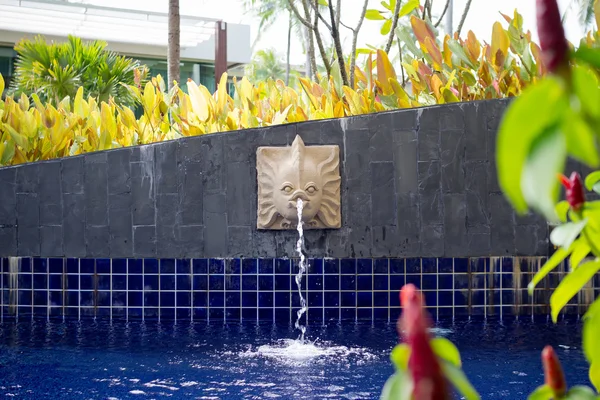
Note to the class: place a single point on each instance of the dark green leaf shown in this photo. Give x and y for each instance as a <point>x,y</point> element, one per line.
<point>570,285</point>
<point>588,55</point>
<point>541,393</point>
<point>558,256</point>
<point>459,380</point>
<point>585,85</point>
<point>446,350</point>
<point>565,234</point>
<point>546,158</point>
<point>538,108</point>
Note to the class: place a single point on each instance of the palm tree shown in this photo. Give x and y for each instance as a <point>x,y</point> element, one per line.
<point>54,71</point>
<point>270,11</point>
<point>266,65</point>
<point>174,51</point>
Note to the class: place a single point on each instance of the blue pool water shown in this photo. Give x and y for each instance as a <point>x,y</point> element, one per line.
<point>119,360</point>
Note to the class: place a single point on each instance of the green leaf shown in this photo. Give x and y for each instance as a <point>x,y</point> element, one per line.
<point>398,387</point>
<point>9,152</point>
<point>374,15</point>
<point>580,393</point>
<point>387,6</point>
<point>581,139</point>
<point>543,392</point>
<point>570,285</point>
<point>539,185</point>
<point>591,344</point>
<point>445,349</point>
<point>594,373</point>
<point>459,380</point>
<point>565,234</point>
<point>386,27</point>
<point>592,179</point>
<point>538,107</point>
<point>585,85</point>
<point>561,208</point>
<point>588,55</point>
<point>460,52</point>
<point>323,3</point>
<point>406,36</point>
<point>399,356</point>
<point>581,250</point>
<point>408,7</point>
<point>558,256</point>
<point>337,78</point>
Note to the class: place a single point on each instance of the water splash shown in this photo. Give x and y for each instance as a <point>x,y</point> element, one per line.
<point>14,265</point>
<point>301,270</point>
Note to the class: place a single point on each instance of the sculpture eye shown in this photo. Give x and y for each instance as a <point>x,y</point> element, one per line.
<point>287,187</point>
<point>311,188</point>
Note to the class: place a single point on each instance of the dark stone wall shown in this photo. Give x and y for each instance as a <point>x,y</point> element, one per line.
<point>415,183</point>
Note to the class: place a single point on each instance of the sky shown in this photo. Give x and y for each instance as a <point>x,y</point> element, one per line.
<point>481,17</point>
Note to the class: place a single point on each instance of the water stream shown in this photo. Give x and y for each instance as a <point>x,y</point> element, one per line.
<point>301,270</point>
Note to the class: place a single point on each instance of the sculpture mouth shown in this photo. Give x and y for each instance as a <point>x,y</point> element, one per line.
<point>294,204</point>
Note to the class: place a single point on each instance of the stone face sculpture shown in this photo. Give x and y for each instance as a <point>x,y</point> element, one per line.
<point>286,174</point>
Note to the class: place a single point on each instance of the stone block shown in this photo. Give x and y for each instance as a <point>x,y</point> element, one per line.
<point>8,197</point>
<point>531,240</point>
<point>51,237</point>
<point>165,167</point>
<point>452,116</point>
<point>74,225</point>
<point>8,241</point>
<point>479,243</point>
<point>215,238</point>
<point>189,149</point>
<point>381,138</point>
<point>120,225</point>
<point>240,191</point>
<point>28,210</point>
<point>263,243</point>
<point>96,189</point>
<point>72,174</point>
<point>477,194</point>
<point>360,241</point>
<point>191,240</point>
<point>452,161</point>
<point>167,209</point>
<point>428,118</point>
<point>357,168</point>
<point>502,226</point>
<point>405,162</point>
<point>404,120</point>
<point>167,242</point>
<point>385,241</point>
<point>383,194</point>
<point>476,134</point>
<point>27,178</point>
<point>191,193</point>
<point>430,194</point>
<point>337,243</point>
<point>358,208</point>
<point>50,194</point>
<point>455,225</point>
<point>432,241</point>
<point>285,242</point>
<point>213,160</point>
<point>428,144</point>
<point>143,198</point>
<point>119,171</point>
<point>144,241</point>
<point>97,238</point>
<point>28,241</point>
<point>240,241</point>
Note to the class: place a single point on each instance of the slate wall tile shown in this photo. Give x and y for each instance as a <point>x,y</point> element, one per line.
<point>8,198</point>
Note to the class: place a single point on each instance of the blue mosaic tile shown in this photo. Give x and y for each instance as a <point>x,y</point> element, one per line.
<point>151,299</point>
<point>430,298</point>
<point>381,314</point>
<point>397,266</point>
<point>150,266</point>
<point>364,266</point>
<point>477,265</point>
<point>381,266</point>
<point>167,282</point>
<point>331,282</point>
<point>507,264</point>
<point>167,266</point>
<point>364,299</point>
<point>40,265</point>
<point>199,266</point>
<point>414,279</point>
<point>332,314</point>
<point>233,299</point>
<point>135,299</point>
<point>200,282</point>
<point>135,266</point>
<point>460,298</point>
<point>429,265</point>
<point>348,266</point>
<point>331,299</point>
<point>102,299</point>
<point>216,299</point>
<point>461,265</point>
<point>315,265</point>
<point>39,281</point>
<point>348,299</point>
<point>183,266</point>
<point>249,266</point>
<point>183,282</point>
<point>348,314</point>
<point>103,282</point>
<point>282,266</point>
<point>72,282</point>
<point>249,282</point>
<point>119,266</point>
<point>380,282</point>
<point>249,314</point>
<point>249,299</point>
<point>55,282</point>
<point>364,282</point>
<point>461,281</point>
<point>25,265</point>
<point>282,299</point>
<point>265,282</point>
<point>216,282</point>
<point>315,282</point>
<point>282,282</point>
<point>429,282</point>
<point>315,299</point>
<point>265,299</point>
<point>348,282</point>
<point>446,265</point>
<point>381,299</point>
<point>135,282</point>
<point>200,299</point>
<point>55,266</point>
<point>413,265</point>
<point>167,299</point>
<point>396,282</point>
<point>266,266</point>
<point>216,266</point>
<point>151,282</point>
<point>445,281</point>
<point>331,266</point>
<point>103,266</point>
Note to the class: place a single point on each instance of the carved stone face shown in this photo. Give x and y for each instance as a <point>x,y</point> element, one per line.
<point>286,195</point>
<point>286,174</point>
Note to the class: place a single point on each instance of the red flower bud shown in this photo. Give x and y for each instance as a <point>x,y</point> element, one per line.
<point>552,34</point>
<point>553,373</point>
<point>429,382</point>
<point>574,190</point>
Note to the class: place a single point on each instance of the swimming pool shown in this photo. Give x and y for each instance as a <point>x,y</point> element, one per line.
<point>136,360</point>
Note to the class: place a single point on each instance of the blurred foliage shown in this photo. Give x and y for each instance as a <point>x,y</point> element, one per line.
<point>53,71</point>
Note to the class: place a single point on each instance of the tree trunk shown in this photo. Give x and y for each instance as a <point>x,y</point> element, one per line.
<point>174,49</point>
<point>289,45</point>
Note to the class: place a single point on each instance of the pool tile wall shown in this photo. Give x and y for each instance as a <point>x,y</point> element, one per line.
<point>264,289</point>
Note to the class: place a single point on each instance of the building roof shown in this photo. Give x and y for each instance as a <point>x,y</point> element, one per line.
<point>62,18</point>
